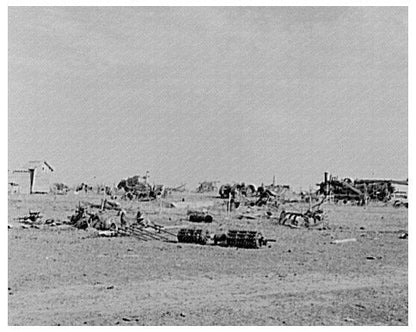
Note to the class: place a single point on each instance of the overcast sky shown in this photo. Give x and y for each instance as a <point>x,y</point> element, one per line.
<point>209,93</point>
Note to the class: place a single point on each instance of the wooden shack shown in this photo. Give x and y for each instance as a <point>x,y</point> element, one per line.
<point>33,177</point>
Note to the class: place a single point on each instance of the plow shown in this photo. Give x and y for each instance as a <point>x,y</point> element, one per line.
<point>313,217</point>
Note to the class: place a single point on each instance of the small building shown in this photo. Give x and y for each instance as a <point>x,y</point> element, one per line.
<point>32,178</point>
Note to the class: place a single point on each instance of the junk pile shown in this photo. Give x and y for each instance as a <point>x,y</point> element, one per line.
<point>35,219</point>
<point>265,196</point>
<point>315,216</point>
<point>401,203</point>
<point>106,190</point>
<point>105,205</point>
<point>137,187</point>
<point>60,189</point>
<point>83,187</point>
<point>307,219</point>
<point>207,186</point>
<point>108,224</point>
<point>284,194</point>
<point>233,238</point>
<point>80,218</point>
<point>246,190</point>
<point>359,191</point>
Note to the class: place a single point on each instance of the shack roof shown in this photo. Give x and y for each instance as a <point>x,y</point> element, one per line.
<point>33,164</point>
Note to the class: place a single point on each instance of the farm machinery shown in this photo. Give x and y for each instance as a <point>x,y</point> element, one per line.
<point>233,238</point>
<point>359,191</point>
<point>135,188</point>
<point>207,186</point>
<point>231,189</point>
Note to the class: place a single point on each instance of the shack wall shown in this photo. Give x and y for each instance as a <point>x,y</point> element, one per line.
<point>22,178</point>
<point>41,180</point>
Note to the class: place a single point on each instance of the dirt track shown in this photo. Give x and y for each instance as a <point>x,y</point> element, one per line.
<point>63,276</point>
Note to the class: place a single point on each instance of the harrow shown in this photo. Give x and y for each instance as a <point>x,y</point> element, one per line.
<point>233,238</point>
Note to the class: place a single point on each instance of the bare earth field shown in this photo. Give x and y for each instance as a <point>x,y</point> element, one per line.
<point>65,276</point>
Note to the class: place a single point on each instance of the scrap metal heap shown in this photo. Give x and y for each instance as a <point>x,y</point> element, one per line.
<point>359,190</point>
<point>207,186</point>
<point>137,187</point>
<point>242,188</point>
<point>313,217</point>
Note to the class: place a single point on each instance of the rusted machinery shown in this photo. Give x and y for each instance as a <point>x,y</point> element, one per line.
<point>189,235</point>
<point>197,216</point>
<point>298,219</point>
<point>33,216</point>
<point>135,188</point>
<point>207,186</point>
<point>359,190</point>
<point>148,233</point>
<point>59,189</point>
<point>245,239</point>
<point>246,190</point>
<point>233,238</point>
<point>81,218</point>
<point>314,216</point>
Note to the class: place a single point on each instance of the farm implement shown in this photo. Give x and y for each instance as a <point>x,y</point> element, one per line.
<point>233,238</point>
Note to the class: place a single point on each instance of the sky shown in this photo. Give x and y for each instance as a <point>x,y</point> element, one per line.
<point>209,93</point>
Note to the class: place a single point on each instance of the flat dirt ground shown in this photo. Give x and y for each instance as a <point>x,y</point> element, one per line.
<point>65,276</point>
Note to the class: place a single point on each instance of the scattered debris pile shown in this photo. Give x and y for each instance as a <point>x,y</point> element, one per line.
<point>265,196</point>
<point>313,217</point>
<point>109,224</point>
<point>80,218</point>
<point>307,219</point>
<point>401,203</point>
<point>243,189</point>
<point>35,219</point>
<point>60,189</point>
<point>359,190</point>
<point>84,187</point>
<point>137,187</point>
<point>207,186</point>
